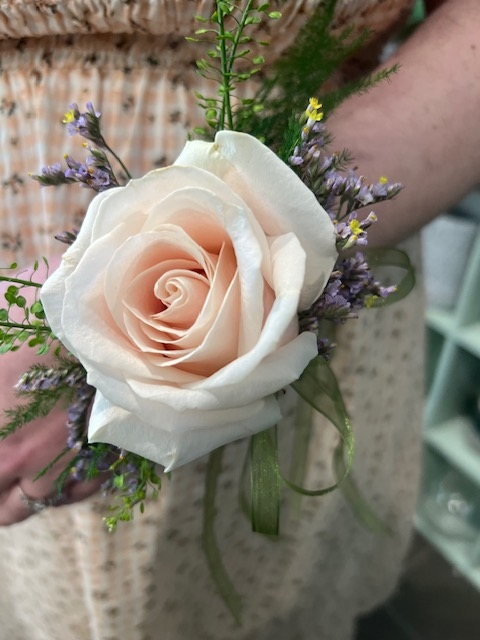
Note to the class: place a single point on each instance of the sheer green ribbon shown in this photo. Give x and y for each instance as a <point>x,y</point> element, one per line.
<point>214,558</point>
<point>319,391</point>
<point>379,258</point>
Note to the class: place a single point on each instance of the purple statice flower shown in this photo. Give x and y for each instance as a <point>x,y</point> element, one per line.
<point>325,348</point>
<point>77,171</point>
<point>95,173</point>
<point>351,287</point>
<point>312,136</point>
<point>360,283</point>
<point>383,190</point>
<point>45,378</point>
<point>67,237</point>
<point>333,304</point>
<point>77,415</point>
<point>86,124</point>
<point>358,193</point>
<point>352,231</point>
<point>52,176</point>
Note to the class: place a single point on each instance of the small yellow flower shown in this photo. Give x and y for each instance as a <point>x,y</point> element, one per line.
<point>370,300</point>
<point>355,227</point>
<point>69,117</point>
<point>383,180</point>
<point>313,110</point>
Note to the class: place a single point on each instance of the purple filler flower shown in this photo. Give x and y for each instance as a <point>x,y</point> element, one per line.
<point>86,124</point>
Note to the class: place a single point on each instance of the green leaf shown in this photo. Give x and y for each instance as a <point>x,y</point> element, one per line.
<point>119,481</point>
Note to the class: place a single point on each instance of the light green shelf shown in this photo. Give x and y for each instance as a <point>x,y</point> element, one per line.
<point>444,323</point>
<point>453,377</point>
<point>441,320</point>
<point>469,337</point>
<point>456,442</point>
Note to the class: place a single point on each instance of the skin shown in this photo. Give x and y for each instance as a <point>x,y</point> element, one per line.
<point>421,128</point>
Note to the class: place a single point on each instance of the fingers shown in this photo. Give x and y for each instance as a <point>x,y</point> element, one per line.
<point>32,448</point>
<point>18,504</point>
<point>23,455</point>
<point>77,491</point>
<point>29,450</point>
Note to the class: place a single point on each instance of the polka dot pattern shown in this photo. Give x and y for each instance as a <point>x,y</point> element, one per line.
<point>63,576</point>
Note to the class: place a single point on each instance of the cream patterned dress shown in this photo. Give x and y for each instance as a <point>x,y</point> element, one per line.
<point>62,576</point>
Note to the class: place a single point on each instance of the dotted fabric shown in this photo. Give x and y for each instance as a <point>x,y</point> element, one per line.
<point>63,576</point>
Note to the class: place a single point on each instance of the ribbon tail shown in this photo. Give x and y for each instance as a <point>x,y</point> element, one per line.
<point>265,483</point>
<point>378,258</point>
<point>217,569</point>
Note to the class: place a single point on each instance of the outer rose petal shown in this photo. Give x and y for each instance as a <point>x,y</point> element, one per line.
<point>207,430</point>
<point>250,169</point>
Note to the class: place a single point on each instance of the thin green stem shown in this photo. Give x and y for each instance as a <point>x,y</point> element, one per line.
<point>117,158</point>
<point>238,35</point>
<point>25,327</point>
<point>226,110</point>
<point>27,283</point>
<point>217,569</point>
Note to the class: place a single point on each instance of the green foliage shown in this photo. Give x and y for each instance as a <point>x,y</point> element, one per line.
<point>332,99</point>
<point>39,404</point>
<point>40,389</point>
<point>318,53</point>
<point>129,496</point>
<point>272,114</point>
<point>33,327</point>
<point>229,59</point>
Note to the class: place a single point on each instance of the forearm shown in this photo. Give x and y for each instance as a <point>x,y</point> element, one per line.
<point>423,127</point>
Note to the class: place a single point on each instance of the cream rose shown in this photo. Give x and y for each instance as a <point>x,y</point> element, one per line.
<point>180,298</point>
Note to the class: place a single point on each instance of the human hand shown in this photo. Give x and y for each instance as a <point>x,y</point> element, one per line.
<point>30,449</point>
<point>34,446</point>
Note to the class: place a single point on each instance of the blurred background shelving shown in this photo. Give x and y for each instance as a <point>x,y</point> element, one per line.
<point>449,510</point>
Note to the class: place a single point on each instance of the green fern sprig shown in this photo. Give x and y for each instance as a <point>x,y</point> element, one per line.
<point>39,405</point>
<point>318,53</point>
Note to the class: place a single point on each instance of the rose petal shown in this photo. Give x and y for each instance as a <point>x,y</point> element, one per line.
<point>251,170</point>
<point>195,434</point>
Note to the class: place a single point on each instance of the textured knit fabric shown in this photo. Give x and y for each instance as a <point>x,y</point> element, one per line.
<point>63,577</point>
